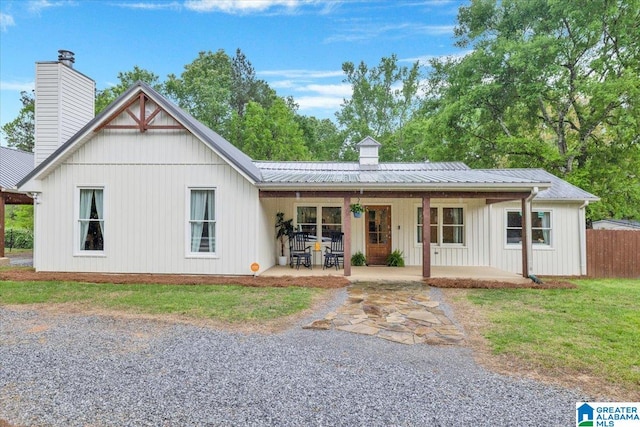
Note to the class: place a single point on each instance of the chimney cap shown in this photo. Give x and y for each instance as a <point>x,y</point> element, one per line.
<point>66,57</point>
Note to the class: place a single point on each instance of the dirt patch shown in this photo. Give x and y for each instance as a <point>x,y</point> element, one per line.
<point>486,284</point>
<point>28,275</point>
<point>475,324</point>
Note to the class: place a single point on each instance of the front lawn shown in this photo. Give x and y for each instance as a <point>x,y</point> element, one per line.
<point>227,303</point>
<point>593,330</point>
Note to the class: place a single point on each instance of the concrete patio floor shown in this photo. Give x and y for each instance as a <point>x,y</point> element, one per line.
<point>401,274</point>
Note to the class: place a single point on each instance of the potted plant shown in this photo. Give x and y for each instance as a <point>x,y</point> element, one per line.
<point>395,259</point>
<point>358,259</point>
<point>357,209</point>
<point>284,228</point>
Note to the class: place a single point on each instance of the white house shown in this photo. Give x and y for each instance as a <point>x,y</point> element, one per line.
<point>146,188</point>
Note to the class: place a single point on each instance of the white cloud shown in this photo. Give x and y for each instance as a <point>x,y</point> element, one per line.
<point>152,5</point>
<point>302,74</point>
<point>6,21</point>
<point>357,31</point>
<point>17,86</point>
<point>319,102</point>
<point>239,6</point>
<point>36,6</point>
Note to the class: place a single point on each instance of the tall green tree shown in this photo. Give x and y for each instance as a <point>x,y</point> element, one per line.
<point>272,133</point>
<point>20,132</point>
<point>548,83</point>
<point>126,79</point>
<point>204,89</point>
<point>321,136</point>
<point>383,100</point>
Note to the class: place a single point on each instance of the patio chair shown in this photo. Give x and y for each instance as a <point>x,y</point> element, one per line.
<point>299,251</point>
<point>335,251</point>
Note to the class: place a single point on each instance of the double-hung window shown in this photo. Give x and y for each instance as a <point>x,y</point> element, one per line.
<point>319,226</point>
<point>447,225</point>
<point>202,220</point>
<point>91,219</point>
<point>540,227</point>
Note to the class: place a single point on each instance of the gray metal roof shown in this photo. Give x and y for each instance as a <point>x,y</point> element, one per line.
<point>266,166</point>
<point>559,190</point>
<point>14,165</point>
<point>411,174</point>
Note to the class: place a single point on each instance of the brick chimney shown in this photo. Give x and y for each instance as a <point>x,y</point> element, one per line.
<point>65,102</point>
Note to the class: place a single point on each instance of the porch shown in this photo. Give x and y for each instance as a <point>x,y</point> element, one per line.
<point>401,274</point>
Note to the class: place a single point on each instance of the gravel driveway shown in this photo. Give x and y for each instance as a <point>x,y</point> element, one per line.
<point>82,370</point>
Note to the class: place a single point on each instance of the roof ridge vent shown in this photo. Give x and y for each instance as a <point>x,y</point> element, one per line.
<point>368,153</point>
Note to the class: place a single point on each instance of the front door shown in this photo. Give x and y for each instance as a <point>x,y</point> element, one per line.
<point>378,223</point>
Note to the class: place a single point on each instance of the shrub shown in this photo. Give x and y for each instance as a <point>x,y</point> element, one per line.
<point>358,259</point>
<point>395,259</point>
<point>18,238</point>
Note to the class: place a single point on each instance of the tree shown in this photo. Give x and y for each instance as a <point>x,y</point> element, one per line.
<point>549,84</point>
<point>321,136</point>
<point>127,79</point>
<point>204,89</point>
<point>20,133</point>
<point>272,133</point>
<point>245,87</point>
<point>383,100</point>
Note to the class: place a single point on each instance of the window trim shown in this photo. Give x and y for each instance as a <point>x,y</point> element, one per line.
<point>77,246</point>
<point>440,224</point>
<point>187,247</point>
<point>319,224</point>
<point>534,245</point>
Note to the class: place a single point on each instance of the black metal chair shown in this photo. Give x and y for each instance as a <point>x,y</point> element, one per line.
<point>299,251</point>
<point>335,252</point>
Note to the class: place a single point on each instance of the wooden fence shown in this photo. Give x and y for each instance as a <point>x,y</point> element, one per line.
<point>613,253</point>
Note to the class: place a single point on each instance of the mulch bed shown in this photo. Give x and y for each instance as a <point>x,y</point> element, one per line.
<point>325,282</point>
<point>484,284</point>
<point>27,275</point>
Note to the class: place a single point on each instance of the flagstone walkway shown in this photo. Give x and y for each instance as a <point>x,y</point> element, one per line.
<point>402,313</point>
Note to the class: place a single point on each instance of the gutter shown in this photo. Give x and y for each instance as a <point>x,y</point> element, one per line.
<point>582,237</point>
<point>534,193</point>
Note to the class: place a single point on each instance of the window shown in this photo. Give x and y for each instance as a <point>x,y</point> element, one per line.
<point>202,221</point>
<point>91,219</point>
<point>308,221</point>
<point>331,221</point>
<point>447,225</point>
<point>452,225</point>
<point>434,225</point>
<point>540,227</point>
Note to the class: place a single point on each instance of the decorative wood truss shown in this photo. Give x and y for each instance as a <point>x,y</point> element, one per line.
<point>142,120</point>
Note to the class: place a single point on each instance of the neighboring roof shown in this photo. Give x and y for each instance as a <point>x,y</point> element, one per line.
<point>426,175</point>
<point>14,165</point>
<point>221,146</point>
<point>618,223</point>
<point>559,190</point>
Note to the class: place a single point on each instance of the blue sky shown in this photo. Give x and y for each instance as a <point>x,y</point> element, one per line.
<point>297,46</point>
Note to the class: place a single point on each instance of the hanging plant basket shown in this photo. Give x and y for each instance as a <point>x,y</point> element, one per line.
<point>357,209</point>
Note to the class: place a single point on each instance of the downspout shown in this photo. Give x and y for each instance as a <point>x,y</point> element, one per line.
<point>529,249</point>
<point>582,236</point>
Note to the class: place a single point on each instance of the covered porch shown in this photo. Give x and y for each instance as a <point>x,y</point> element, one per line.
<point>401,274</point>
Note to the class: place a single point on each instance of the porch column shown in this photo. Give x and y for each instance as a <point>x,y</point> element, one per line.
<point>346,229</point>
<point>426,236</point>
<point>526,236</point>
<point>1,224</point>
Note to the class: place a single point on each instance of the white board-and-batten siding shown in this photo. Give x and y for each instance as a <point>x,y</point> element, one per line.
<point>64,103</point>
<point>561,258</point>
<point>146,179</point>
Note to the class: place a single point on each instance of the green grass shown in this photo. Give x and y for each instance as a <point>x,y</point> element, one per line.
<point>594,329</point>
<point>229,303</point>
